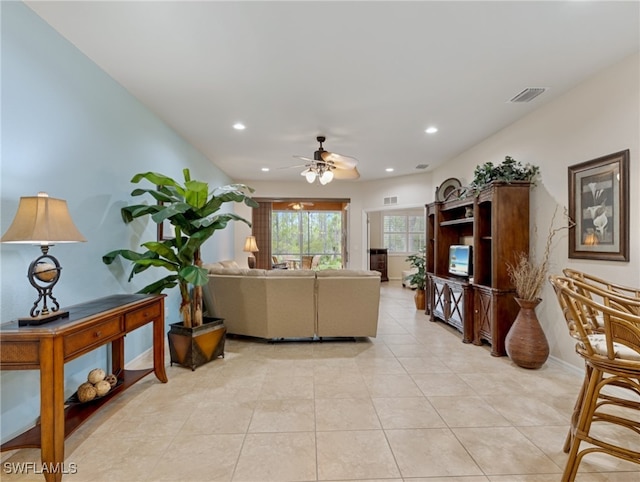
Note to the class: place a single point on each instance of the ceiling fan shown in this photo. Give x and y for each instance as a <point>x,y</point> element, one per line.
<point>299,206</point>
<point>326,166</point>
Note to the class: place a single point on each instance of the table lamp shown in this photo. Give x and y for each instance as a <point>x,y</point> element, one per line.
<point>251,247</point>
<point>45,221</point>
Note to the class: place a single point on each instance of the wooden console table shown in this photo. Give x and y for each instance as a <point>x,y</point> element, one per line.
<point>48,347</point>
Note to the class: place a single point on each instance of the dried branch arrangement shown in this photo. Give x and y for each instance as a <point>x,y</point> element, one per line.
<point>527,275</point>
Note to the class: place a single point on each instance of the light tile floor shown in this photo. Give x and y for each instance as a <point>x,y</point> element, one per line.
<point>414,404</point>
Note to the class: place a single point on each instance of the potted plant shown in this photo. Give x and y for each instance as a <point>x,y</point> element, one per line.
<point>526,343</point>
<point>192,210</point>
<point>419,278</point>
<point>509,170</point>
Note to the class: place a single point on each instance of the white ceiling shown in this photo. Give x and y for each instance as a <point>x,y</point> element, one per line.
<point>370,76</point>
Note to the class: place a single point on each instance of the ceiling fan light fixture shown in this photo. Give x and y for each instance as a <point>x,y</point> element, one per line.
<point>310,175</point>
<point>326,177</point>
<point>327,166</point>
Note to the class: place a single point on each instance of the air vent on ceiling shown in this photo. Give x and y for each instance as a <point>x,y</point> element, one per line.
<point>422,166</point>
<point>390,200</point>
<point>527,95</point>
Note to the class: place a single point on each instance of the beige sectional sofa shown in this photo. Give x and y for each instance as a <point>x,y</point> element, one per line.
<point>294,303</point>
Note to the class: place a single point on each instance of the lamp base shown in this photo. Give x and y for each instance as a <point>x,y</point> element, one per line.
<point>251,261</point>
<point>42,319</point>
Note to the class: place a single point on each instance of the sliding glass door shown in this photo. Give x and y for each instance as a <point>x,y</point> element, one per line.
<point>307,238</point>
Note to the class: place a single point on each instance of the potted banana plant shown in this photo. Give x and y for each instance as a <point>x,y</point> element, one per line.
<point>419,278</point>
<point>192,210</point>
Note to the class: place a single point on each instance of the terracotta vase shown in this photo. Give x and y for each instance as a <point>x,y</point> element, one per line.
<point>526,343</point>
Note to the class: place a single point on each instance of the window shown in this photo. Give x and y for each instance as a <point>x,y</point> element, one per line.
<point>295,234</point>
<point>403,233</point>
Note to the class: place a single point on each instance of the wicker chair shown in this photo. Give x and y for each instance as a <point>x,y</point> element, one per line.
<point>608,336</point>
<point>620,291</point>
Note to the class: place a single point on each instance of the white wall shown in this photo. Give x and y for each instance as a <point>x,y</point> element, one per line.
<point>600,116</point>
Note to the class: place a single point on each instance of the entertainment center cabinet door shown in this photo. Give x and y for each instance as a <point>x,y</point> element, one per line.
<point>494,313</point>
<point>453,303</point>
<point>461,309</point>
<point>438,300</point>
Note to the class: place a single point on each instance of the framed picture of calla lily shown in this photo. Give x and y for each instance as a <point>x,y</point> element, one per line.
<point>599,205</point>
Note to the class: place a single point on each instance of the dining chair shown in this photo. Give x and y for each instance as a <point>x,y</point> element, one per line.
<point>608,340</point>
<point>306,261</point>
<point>625,292</point>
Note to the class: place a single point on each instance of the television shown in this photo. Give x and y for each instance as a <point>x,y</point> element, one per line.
<point>460,260</point>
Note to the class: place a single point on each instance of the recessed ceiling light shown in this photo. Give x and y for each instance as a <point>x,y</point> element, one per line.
<point>431,130</point>
<point>389,169</point>
<point>239,126</point>
<point>265,169</point>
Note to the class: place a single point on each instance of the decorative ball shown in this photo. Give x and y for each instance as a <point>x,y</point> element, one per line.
<point>102,387</point>
<point>112,379</point>
<point>87,392</point>
<point>96,375</point>
<point>45,271</point>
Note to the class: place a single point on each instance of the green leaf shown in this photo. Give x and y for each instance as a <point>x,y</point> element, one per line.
<point>196,193</point>
<point>160,285</point>
<point>163,249</point>
<point>157,195</point>
<point>170,210</point>
<point>129,213</point>
<point>194,275</point>
<point>155,178</point>
<point>125,253</point>
<point>160,263</point>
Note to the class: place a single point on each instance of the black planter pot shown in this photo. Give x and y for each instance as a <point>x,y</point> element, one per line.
<point>192,347</point>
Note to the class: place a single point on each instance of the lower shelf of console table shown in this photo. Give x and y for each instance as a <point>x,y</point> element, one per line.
<point>76,413</point>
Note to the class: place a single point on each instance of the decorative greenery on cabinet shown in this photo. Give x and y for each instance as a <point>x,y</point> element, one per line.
<point>508,171</point>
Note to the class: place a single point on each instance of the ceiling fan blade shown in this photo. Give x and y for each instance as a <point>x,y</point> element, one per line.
<point>294,167</point>
<point>304,158</point>
<point>340,161</point>
<point>346,173</point>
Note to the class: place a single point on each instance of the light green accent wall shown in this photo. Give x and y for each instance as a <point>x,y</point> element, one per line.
<point>70,130</point>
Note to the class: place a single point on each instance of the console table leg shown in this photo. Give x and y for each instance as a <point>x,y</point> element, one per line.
<point>158,349</point>
<point>117,356</point>
<point>52,407</point>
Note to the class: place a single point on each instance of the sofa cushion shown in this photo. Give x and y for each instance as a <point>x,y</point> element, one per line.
<point>212,266</point>
<point>217,270</point>
<point>254,272</point>
<point>346,273</point>
<point>228,263</point>
<point>290,273</point>
<point>227,271</point>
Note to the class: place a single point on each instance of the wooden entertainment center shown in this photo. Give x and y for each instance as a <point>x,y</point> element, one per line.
<point>496,224</point>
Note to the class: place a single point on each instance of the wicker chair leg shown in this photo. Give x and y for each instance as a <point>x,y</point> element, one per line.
<point>576,410</point>
<point>589,405</point>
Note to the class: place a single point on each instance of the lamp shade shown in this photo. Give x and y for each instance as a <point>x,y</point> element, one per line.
<point>250,245</point>
<point>42,220</point>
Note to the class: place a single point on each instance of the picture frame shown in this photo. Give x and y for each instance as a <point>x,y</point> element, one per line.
<point>165,229</point>
<point>599,205</point>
